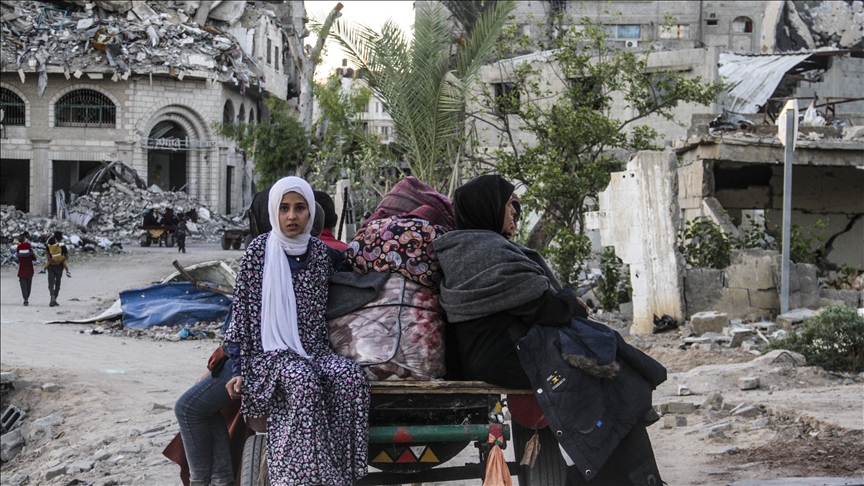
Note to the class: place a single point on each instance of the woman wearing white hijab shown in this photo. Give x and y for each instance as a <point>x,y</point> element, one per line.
<point>317,402</point>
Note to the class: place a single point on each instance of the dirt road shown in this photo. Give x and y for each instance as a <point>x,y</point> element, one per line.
<point>115,394</point>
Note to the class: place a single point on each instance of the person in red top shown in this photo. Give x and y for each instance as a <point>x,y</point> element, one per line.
<point>26,257</point>
<point>330,220</point>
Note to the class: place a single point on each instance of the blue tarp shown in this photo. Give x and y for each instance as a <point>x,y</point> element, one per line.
<point>172,304</point>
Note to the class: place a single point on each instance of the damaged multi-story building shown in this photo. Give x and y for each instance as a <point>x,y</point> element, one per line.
<point>767,52</point>
<point>140,82</point>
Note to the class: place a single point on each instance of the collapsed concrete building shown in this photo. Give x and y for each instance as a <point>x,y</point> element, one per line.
<point>140,82</point>
<point>767,52</point>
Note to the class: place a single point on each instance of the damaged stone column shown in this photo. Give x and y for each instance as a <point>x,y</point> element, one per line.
<point>41,200</point>
<point>639,217</point>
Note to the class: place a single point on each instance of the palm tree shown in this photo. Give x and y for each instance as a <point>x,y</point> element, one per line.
<point>424,84</point>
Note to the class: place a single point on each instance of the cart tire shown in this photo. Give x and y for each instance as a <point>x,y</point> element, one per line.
<point>226,243</point>
<point>247,240</point>
<point>144,240</point>
<point>236,244</point>
<point>255,462</point>
<point>550,468</point>
<point>169,240</point>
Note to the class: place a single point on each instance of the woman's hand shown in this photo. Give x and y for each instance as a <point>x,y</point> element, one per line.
<point>234,387</point>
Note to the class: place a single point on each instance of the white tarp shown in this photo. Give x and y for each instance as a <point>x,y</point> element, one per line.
<point>754,78</point>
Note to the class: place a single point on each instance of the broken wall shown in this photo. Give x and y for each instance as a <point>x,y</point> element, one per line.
<point>639,216</point>
<point>749,288</point>
<point>843,79</point>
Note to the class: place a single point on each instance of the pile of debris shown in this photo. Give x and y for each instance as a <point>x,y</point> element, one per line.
<point>119,37</point>
<point>115,211</point>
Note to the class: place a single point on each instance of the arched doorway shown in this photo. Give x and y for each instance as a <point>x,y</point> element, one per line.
<point>166,160</point>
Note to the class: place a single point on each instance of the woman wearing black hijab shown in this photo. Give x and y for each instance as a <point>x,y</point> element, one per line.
<point>493,289</point>
<point>511,324</point>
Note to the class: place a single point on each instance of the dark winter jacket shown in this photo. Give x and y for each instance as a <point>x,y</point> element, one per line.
<point>588,414</point>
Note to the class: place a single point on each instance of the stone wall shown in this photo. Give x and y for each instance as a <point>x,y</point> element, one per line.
<point>749,288</point>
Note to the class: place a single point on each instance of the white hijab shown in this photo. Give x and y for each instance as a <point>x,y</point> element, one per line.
<point>278,302</point>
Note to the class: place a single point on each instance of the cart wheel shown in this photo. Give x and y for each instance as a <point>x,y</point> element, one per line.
<point>169,240</point>
<point>226,243</point>
<point>144,239</point>
<point>236,244</point>
<point>253,471</point>
<point>550,468</point>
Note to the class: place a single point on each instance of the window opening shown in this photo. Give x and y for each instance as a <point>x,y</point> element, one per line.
<point>241,116</point>
<point>269,49</point>
<point>13,108</point>
<point>85,108</point>
<point>616,31</point>
<point>711,21</point>
<point>506,98</point>
<point>742,25</point>
<point>276,58</point>
<point>228,113</point>
<point>679,31</point>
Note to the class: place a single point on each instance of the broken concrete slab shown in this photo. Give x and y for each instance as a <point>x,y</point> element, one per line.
<point>849,298</point>
<point>748,383</point>
<point>794,318</point>
<point>710,321</point>
<point>229,12</point>
<point>703,288</point>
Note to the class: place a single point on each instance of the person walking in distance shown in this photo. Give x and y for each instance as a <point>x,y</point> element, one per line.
<point>181,232</point>
<point>56,254</point>
<point>26,257</point>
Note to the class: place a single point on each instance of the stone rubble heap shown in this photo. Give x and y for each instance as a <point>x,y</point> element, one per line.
<point>120,38</point>
<point>835,23</point>
<point>108,218</point>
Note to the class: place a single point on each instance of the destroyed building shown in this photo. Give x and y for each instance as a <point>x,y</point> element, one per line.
<point>767,52</point>
<point>139,82</point>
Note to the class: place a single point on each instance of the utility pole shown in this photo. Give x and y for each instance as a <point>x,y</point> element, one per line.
<point>787,132</point>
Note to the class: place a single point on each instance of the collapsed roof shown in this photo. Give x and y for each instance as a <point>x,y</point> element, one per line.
<point>120,37</point>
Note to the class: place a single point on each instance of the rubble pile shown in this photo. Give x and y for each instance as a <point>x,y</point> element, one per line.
<point>835,23</point>
<point>115,211</point>
<point>122,37</point>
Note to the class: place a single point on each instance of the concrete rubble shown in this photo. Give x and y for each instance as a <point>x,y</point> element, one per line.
<point>121,38</point>
<point>108,217</point>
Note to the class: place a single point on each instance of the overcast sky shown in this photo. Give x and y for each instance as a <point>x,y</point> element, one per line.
<point>370,13</point>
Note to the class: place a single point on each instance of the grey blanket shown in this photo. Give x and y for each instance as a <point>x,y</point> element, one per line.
<point>484,274</point>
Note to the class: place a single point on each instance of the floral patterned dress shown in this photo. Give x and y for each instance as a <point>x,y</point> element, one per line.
<point>318,407</point>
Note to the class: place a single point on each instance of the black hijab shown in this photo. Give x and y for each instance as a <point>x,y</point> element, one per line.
<point>481,203</point>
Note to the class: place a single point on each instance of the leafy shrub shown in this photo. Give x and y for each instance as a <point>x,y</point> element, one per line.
<point>833,340</point>
<point>704,244</point>
<point>613,289</point>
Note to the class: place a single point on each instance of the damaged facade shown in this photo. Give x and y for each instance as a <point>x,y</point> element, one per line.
<point>768,52</point>
<point>140,82</point>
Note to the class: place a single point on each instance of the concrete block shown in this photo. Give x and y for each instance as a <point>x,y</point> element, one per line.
<point>130,449</point>
<point>850,298</point>
<point>83,465</point>
<point>50,387</point>
<point>734,302</point>
<point>714,400</point>
<point>41,428</point>
<point>703,287</point>
<point>11,444</point>
<point>749,411</point>
<point>794,318</point>
<point>670,421</point>
<point>760,423</point>
<point>100,455</point>
<point>680,407</point>
<point>765,299</point>
<point>55,471</point>
<point>739,336</point>
<point>748,383</point>
<point>7,377</point>
<point>752,269</point>
<point>711,321</point>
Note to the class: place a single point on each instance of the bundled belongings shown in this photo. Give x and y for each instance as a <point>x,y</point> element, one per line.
<point>398,335</point>
<point>392,323</point>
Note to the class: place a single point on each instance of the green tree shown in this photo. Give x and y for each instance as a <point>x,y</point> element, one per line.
<point>577,140</point>
<point>424,84</point>
<point>279,146</point>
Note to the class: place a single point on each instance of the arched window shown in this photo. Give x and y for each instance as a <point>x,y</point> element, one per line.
<point>228,113</point>
<point>12,106</point>
<point>251,116</point>
<point>742,25</point>
<point>85,108</point>
<point>241,117</point>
